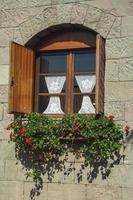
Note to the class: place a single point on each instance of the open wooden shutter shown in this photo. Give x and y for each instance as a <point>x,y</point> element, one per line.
<point>21,79</point>
<point>100,70</point>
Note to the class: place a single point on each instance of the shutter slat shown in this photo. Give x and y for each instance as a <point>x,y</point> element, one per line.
<point>22,72</point>
<point>100,71</point>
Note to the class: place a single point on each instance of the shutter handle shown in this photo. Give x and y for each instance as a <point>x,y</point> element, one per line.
<point>12,81</point>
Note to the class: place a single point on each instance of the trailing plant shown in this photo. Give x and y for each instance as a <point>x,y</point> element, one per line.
<point>41,139</point>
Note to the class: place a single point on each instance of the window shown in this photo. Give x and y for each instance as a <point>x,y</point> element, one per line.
<point>65,74</point>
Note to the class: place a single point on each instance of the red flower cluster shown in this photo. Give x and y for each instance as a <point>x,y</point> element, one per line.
<point>22,131</point>
<point>127,129</point>
<point>111,117</point>
<point>76,127</point>
<point>28,141</point>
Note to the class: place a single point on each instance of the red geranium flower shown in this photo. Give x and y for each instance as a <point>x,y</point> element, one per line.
<point>111,117</point>
<point>127,128</point>
<point>28,141</point>
<point>22,131</point>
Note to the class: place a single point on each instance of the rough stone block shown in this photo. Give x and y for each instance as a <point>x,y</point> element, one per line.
<point>49,16</point>
<point>38,2</point>
<point>92,17</point>
<point>45,19</point>
<point>112,193</point>
<point>127,26</point>
<point>115,108</point>
<point>3,93</point>
<point>14,17</point>
<point>100,193</point>
<point>64,13</point>
<point>112,70</point>
<point>82,175</point>
<point>29,186</point>
<point>11,190</point>
<point>118,8</point>
<point>26,30</point>
<point>80,160</point>
<point>115,31</point>
<point>7,116</point>
<point>21,173</point>
<point>127,193</point>
<point>4,133</point>
<point>119,48</point>
<point>1,111</point>
<point>6,35</point>
<point>128,152</point>
<point>93,14</point>
<point>7,150</point>
<point>66,191</point>
<point>105,24</point>
<point>17,36</point>
<point>4,74</point>
<point>11,170</point>
<point>2,169</point>
<point>78,13</point>
<point>37,23</point>
<point>129,111</point>
<point>4,56</point>
<point>62,174</point>
<point>118,91</point>
<point>121,175</point>
<point>115,178</point>
<point>13,4</point>
<point>126,175</point>
<point>126,69</point>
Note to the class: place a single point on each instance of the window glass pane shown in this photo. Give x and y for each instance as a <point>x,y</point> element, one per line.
<point>76,87</point>
<point>78,102</point>
<point>85,61</point>
<point>84,87</point>
<point>53,63</point>
<point>44,101</point>
<point>43,86</point>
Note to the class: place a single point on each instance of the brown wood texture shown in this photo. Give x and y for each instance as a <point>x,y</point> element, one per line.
<point>100,70</point>
<point>69,83</point>
<point>68,40</point>
<point>37,82</point>
<point>64,45</point>
<point>52,74</point>
<point>22,79</point>
<point>52,94</point>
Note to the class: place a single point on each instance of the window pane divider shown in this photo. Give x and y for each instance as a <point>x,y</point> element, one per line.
<point>53,74</point>
<point>84,73</point>
<point>52,94</point>
<point>84,93</point>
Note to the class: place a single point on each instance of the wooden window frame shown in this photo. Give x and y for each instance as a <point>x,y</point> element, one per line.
<point>69,94</point>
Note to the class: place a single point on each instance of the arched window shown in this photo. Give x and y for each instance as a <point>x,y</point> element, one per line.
<point>64,74</point>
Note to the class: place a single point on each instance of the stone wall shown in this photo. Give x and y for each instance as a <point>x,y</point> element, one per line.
<point>22,19</point>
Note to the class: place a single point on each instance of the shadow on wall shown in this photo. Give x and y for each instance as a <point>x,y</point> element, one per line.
<point>60,169</point>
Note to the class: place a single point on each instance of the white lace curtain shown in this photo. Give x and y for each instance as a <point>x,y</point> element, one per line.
<point>54,85</point>
<point>86,84</point>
